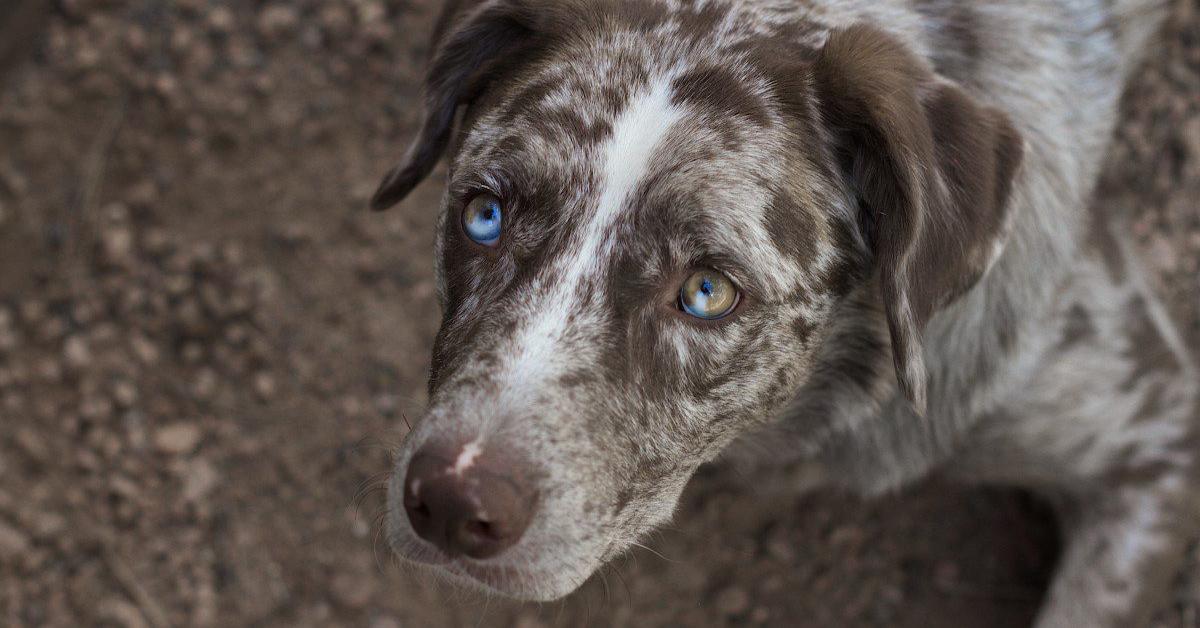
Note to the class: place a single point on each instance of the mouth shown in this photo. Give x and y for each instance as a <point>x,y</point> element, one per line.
<point>486,577</point>
<point>520,578</point>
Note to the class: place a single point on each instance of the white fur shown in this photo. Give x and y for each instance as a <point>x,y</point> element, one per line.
<point>626,157</point>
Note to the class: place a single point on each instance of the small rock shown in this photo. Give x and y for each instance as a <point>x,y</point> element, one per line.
<point>117,244</point>
<point>46,525</point>
<point>144,349</point>
<point>945,574</point>
<point>220,20</point>
<point>76,352</point>
<point>384,622</point>
<point>529,620</point>
<point>32,444</point>
<point>199,479</point>
<point>32,312</point>
<point>264,386</point>
<point>352,590</point>
<point>277,20</point>
<point>781,550</point>
<point>125,393</point>
<point>95,407</point>
<point>13,543</point>
<point>177,439</point>
<point>732,601</point>
<point>205,384</point>
<point>121,613</point>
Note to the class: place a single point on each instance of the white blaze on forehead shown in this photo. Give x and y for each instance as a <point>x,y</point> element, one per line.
<point>622,164</point>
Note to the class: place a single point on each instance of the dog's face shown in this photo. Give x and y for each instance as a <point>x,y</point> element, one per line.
<point>648,225</point>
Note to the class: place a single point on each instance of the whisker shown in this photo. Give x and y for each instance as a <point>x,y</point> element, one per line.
<point>655,552</point>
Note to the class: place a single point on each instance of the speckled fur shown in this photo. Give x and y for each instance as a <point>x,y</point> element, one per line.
<point>1051,366</point>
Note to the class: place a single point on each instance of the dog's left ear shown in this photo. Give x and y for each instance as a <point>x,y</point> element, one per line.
<point>932,169</point>
<point>472,41</point>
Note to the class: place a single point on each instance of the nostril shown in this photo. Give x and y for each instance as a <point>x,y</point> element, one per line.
<point>420,509</point>
<point>483,530</point>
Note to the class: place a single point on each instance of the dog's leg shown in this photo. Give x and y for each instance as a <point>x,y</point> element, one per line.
<point>1108,425</point>
<point>1123,550</point>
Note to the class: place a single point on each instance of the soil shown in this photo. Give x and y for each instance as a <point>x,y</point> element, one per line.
<point>208,349</point>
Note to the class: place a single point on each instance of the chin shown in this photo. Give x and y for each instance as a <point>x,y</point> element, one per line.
<point>488,577</point>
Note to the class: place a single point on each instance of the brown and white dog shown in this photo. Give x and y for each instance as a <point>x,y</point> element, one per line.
<point>857,228</point>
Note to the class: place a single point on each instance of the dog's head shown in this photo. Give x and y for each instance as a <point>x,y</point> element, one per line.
<point>655,213</point>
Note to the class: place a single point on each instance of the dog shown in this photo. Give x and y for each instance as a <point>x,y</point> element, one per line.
<point>857,231</point>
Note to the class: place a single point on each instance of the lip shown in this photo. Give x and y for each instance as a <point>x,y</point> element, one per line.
<point>500,579</point>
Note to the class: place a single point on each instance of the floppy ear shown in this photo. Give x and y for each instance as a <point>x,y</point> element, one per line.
<point>932,170</point>
<point>472,39</point>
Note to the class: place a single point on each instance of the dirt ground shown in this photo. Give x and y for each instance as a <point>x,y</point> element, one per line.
<point>208,347</point>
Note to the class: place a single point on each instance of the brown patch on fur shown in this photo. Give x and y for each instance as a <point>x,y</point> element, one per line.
<point>719,92</point>
<point>1100,240</point>
<point>793,228</point>
<point>1148,349</point>
<point>958,43</point>
<point>1144,474</point>
<point>1153,403</point>
<point>1078,327</point>
<point>566,123</point>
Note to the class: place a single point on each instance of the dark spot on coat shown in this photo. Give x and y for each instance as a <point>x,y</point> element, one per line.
<point>1077,328</point>
<point>1149,351</point>
<point>1153,404</point>
<point>623,498</point>
<point>721,93</point>
<point>957,39</point>
<point>793,228</point>
<point>566,123</point>
<point>1101,242</point>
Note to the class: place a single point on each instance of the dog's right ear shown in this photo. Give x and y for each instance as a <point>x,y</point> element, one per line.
<point>471,39</point>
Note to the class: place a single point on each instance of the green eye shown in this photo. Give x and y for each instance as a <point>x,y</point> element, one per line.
<point>708,294</point>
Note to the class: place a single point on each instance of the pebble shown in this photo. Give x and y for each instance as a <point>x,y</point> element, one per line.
<point>76,352</point>
<point>352,590</point>
<point>117,244</point>
<point>529,620</point>
<point>264,386</point>
<point>732,601</point>
<point>200,478</point>
<point>13,543</point>
<point>177,439</point>
<point>32,444</point>
<point>121,613</point>
<point>221,20</point>
<point>125,393</point>
<point>143,349</point>
<point>277,20</point>
<point>46,525</point>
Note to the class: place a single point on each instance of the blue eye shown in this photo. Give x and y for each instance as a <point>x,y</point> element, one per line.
<point>481,219</point>
<point>708,294</point>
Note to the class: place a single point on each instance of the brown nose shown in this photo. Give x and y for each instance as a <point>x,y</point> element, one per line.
<point>467,502</point>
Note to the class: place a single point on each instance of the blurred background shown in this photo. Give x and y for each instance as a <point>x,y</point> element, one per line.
<point>208,348</point>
